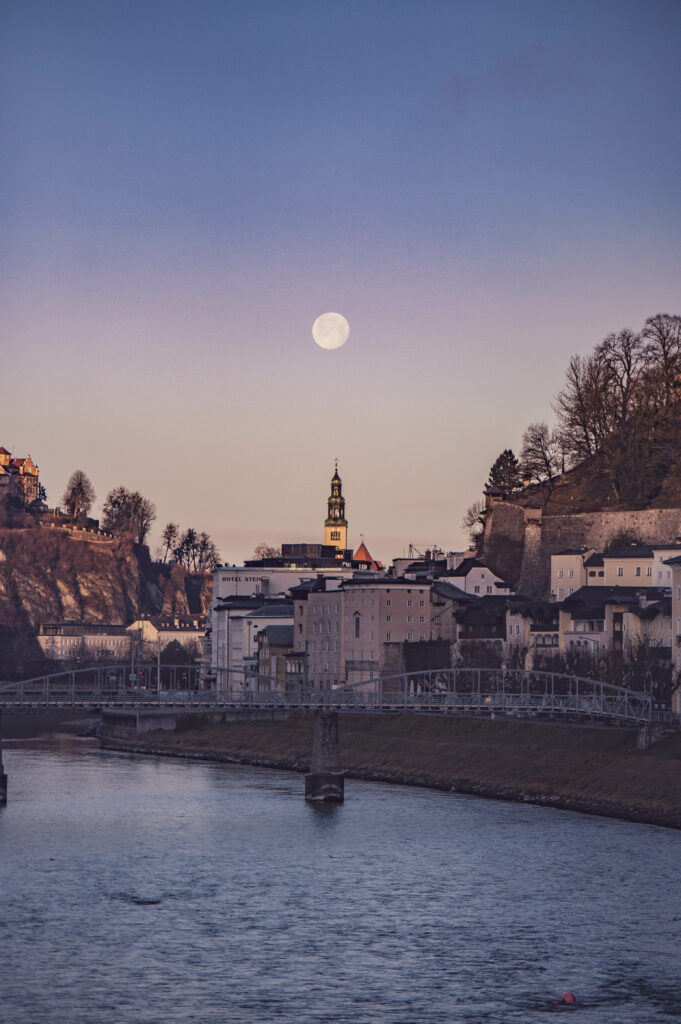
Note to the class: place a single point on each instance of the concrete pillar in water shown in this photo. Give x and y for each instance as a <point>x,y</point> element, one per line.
<point>3,777</point>
<point>325,780</point>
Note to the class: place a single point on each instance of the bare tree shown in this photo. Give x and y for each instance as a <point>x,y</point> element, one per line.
<point>266,551</point>
<point>185,552</point>
<point>661,335</point>
<point>472,521</point>
<point>79,495</point>
<point>128,512</point>
<point>169,537</point>
<point>208,557</point>
<point>540,456</point>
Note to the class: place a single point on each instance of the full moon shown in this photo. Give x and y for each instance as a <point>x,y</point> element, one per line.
<point>330,330</point>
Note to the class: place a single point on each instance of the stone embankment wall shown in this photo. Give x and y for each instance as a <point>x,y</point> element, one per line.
<point>521,552</point>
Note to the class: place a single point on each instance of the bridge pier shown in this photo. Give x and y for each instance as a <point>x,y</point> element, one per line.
<point>648,733</point>
<point>326,779</point>
<point>3,777</point>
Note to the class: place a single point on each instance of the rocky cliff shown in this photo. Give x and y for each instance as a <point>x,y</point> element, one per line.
<point>47,575</point>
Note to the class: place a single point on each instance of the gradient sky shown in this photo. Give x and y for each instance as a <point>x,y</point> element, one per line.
<point>482,189</point>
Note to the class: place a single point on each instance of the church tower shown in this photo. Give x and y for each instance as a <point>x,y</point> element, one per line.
<point>336,525</point>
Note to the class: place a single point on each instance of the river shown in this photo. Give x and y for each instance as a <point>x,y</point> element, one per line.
<point>158,891</point>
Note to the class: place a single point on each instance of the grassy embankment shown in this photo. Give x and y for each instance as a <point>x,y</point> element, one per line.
<point>594,770</point>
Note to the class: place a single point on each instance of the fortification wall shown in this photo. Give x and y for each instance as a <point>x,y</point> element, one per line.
<point>525,549</point>
<point>504,541</point>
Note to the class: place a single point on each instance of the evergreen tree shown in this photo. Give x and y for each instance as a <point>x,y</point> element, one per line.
<point>504,473</point>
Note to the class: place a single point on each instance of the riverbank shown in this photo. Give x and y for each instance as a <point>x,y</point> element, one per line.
<point>588,769</point>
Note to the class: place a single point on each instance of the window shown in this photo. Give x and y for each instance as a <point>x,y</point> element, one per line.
<point>409,603</point>
<point>421,618</point>
<point>410,636</point>
<point>476,589</point>
<point>489,590</point>
<point>410,618</point>
<point>638,570</point>
<point>560,574</point>
<point>387,638</point>
<point>422,637</point>
<point>560,593</point>
<point>357,627</point>
<point>388,602</point>
<point>517,628</point>
<point>678,593</point>
<point>510,628</point>
<point>571,591</point>
<point>571,573</point>
<point>388,618</point>
<point>420,604</point>
<point>649,570</point>
<point>371,636</point>
<point>620,570</point>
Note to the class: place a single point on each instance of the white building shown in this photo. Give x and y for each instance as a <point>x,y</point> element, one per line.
<point>474,577</point>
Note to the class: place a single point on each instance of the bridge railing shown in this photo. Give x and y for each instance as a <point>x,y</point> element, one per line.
<point>445,690</point>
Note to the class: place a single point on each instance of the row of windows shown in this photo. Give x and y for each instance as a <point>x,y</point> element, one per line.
<point>476,589</point>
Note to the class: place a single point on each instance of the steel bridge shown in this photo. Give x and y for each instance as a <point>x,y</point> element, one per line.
<point>498,693</point>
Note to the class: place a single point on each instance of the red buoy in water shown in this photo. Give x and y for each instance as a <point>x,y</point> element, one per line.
<point>567,997</point>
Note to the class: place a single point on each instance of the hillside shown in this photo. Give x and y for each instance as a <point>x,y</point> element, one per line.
<point>587,488</point>
<point>48,575</point>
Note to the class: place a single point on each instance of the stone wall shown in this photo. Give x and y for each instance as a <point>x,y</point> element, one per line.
<point>521,552</point>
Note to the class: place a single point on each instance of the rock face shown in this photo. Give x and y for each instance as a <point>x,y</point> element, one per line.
<point>520,551</point>
<point>46,575</point>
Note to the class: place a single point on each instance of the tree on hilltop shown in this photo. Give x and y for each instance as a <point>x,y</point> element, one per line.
<point>128,512</point>
<point>196,552</point>
<point>504,473</point>
<point>540,456</point>
<point>79,495</point>
<point>171,532</point>
<point>622,402</point>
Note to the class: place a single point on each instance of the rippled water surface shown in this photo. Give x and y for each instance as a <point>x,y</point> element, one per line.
<point>160,891</point>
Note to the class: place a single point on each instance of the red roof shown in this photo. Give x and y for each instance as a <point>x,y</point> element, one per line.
<point>3,451</point>
<point>362,555</point>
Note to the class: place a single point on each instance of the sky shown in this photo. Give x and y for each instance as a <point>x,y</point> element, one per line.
<point>481,189</point>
